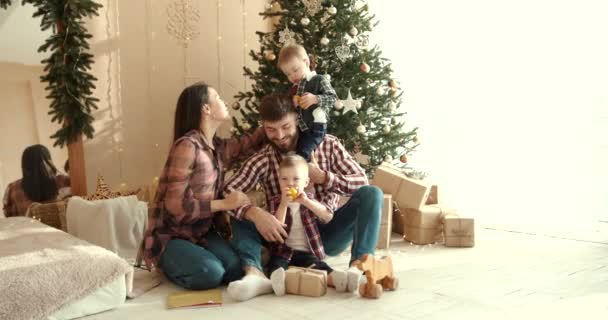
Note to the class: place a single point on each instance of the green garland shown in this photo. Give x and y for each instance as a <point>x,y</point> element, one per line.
<point>70,85</point>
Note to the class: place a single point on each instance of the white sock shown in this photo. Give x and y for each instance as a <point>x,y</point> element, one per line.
<point>250,286</point>
<point>353,275</point>
<point>318,115</point>
<point>278,281</point>
<point>339,279</point>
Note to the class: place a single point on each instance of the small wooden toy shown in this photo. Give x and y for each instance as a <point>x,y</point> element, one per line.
<point>379,274</point>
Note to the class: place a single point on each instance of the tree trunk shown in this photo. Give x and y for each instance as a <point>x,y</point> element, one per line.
<point>78,179</point>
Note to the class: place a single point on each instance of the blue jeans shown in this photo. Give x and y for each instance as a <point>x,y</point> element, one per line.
<point>193,267</point>
<point>356,224</point>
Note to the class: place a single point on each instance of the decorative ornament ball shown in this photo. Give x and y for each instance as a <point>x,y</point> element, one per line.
<point>392,107</point>
<point>270,56</point>
<point>361,129</point>
<point>416,140</point>
<point>403,158</point>
<point>364,67</point>
<point>392,84</point>
<point>324,41</point>
<point>339,105</point>
<point>388,158</point>
<point>246,126</point>
<point>386,129</point>
<point>380,91</point>
<point>353,32</point>
<point>305,21</point>
<point>332,10</point>
<point>268,6</point>
<point>236,105</point>
<point>393,92</point>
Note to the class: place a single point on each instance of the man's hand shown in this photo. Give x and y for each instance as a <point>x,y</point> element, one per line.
<point>268,226</point>
<point>308,99</point>
<point>316,175</point>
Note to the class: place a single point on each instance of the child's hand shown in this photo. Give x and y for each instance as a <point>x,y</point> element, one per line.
<point>307,100</point>
<point>296,100</point>
<point>301,198</point>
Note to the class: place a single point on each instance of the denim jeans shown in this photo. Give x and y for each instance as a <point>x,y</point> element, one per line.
<point>197,268</point>
<point>310,139</point>
<point>356,223</point>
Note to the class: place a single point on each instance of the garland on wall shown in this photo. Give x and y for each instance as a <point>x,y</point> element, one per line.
<point>69,82</point>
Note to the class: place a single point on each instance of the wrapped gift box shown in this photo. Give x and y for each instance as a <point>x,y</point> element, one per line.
<point>407,192</point>
<point>424,225</point>
<point>459,231</point>
<point>306,282</point>
<point>398,219</point>
<point>386,222</point>
<point>433,195</point>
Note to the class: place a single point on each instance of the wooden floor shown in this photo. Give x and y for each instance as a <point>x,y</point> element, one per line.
<point>508,275</point>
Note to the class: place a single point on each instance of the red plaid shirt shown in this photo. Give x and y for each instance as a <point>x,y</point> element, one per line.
<point>192,177</point>
<point>16,202</point>
<point>344,174</point>
<point>310,226</point>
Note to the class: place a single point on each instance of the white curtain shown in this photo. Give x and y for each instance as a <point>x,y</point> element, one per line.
<point>505,94</point>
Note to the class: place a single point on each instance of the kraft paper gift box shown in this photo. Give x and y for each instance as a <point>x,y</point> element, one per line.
<point>433,195</point>
<point>398,219</point>
<point>425,226</point>
<point>306,281</point>
<point>459,231</point>
<point>407,192</point>
<point>386,222</point>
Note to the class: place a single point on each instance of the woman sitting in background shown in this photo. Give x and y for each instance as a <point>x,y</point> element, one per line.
<point>41,182</point>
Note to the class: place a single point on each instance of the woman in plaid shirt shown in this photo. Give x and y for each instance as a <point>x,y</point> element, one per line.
<point>41,182</point>
<point>182,239</point>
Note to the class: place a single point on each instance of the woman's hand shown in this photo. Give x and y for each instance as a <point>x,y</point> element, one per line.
<point>236,199</point>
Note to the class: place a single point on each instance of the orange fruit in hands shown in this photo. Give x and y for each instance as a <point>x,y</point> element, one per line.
<point>293,193</point>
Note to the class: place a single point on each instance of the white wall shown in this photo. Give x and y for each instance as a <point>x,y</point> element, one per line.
<point>20,34</point>
<point>504,93</point>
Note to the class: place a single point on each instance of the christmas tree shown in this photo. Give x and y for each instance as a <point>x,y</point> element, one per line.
<point>368,117</point>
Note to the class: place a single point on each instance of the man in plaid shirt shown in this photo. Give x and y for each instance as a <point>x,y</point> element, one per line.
<point>334,173</point>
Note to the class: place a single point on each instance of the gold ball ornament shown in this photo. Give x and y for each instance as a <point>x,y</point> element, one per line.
<point>392,84</point>
<point>339,105</point>
<point>332,10</point>
<point>393,92</point>
<point>353,32</point>
<point>246,126</point>
<point>386,129</point>
<point>416,140</point>
<point>324,41</point>
<point>270,56</point>
<point>236,105</point>
<point>403,158</point>
<point>361,129</point>
<point>380,91</point>
<point>305,21</point>
<point>364,67</point>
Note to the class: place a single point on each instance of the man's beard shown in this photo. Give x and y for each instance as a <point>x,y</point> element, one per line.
<point>290,147</point>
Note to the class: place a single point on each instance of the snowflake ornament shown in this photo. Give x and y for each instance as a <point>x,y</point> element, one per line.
<point>312,6</point>
<point>287,36</point>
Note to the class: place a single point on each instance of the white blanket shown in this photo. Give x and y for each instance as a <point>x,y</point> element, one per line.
<point>116,224</point>
<point>43,269</point>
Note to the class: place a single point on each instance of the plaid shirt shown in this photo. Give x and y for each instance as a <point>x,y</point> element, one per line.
<point>310,226</point>
<point>344,174</point>
<point>16,202</point>
<point>191,179</point>
<point>319,86</point>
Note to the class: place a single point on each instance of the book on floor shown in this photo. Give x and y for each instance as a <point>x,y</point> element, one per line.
<point>201,298</point>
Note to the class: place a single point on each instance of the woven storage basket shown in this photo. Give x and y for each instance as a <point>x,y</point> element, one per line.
<point>52,213</point>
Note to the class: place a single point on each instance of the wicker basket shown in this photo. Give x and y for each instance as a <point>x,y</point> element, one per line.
<point>52,213</point>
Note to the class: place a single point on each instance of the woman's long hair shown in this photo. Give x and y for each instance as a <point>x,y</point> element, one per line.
<point>38,174</point>
<point>188,113</point>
